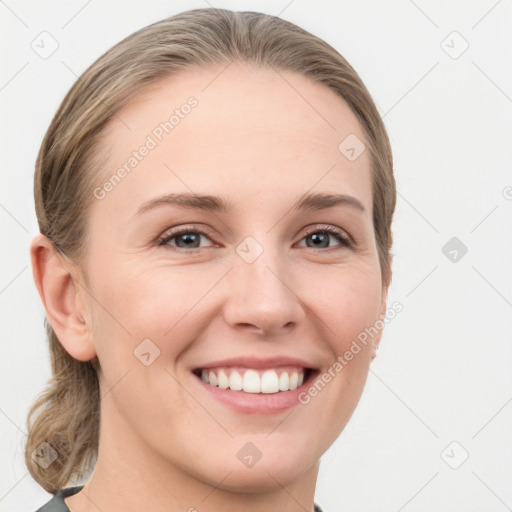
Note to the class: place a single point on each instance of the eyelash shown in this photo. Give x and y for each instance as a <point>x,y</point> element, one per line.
<point>337,233</point>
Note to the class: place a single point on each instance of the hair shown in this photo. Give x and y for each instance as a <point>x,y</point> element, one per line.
<point>67,414</point>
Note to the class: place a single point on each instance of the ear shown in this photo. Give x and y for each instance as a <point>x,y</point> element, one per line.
<point>383,306</point>
<point>58,283</point>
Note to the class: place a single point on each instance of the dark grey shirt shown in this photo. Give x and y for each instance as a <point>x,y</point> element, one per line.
<point>56,504</point>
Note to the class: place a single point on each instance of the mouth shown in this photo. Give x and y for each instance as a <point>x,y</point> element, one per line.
<point>256,380</point>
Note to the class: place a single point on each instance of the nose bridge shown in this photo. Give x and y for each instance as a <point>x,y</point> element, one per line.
<point>261,287</point>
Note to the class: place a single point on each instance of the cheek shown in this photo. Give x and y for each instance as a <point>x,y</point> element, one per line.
<point>348,303</point>
<point>163,304</point>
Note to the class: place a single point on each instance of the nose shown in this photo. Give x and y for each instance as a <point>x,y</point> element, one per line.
<point>262,296</point>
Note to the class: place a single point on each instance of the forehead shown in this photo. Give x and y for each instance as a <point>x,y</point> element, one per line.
<point>238,129</point>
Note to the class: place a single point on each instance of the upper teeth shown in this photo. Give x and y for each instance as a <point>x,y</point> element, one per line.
<point>254,381</point>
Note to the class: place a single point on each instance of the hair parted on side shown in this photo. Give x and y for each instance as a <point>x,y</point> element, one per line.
<point>67,414</point>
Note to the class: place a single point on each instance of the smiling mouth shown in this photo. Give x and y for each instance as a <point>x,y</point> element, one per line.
<point>251,380</point>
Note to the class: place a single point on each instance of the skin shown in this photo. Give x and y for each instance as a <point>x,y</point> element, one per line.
<point>255,142</point>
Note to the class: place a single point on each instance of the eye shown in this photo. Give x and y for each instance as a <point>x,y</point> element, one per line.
<point>320,237</point>
<point>186,239</point>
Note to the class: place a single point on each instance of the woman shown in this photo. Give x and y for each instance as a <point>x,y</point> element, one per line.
<point>215,197</point>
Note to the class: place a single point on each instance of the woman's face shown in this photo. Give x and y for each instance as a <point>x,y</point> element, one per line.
<point>254,281</point>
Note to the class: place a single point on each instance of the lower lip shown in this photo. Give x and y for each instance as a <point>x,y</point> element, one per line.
<point>255,403</point>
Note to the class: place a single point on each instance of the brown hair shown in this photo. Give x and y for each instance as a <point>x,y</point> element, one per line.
<point>67,414</point>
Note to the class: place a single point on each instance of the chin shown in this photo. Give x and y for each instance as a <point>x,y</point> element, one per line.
<point>257,480</point>
<point>271,472</point>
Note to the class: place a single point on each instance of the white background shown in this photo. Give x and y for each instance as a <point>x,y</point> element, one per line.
<point>443,372</point>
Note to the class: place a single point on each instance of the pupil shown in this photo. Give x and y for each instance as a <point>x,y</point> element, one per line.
<point>322,237</point>
<point>188,239</point>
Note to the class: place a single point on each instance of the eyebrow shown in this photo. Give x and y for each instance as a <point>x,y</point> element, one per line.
<point>322,201</point>
<point>185,200</point>
<point>308,201</point>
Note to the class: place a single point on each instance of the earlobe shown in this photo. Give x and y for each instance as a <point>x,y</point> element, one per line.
<point>57,282</point>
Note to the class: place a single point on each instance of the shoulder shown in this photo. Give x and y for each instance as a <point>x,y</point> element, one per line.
<point>57,504</point>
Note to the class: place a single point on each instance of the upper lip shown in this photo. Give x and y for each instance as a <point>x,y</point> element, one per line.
<point>258,362</point>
